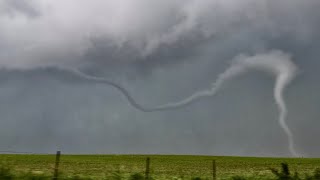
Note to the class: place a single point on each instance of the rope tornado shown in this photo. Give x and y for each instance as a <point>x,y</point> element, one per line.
<point>275,62</point>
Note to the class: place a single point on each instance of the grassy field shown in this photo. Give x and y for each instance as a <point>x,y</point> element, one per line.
<point>162,166</point>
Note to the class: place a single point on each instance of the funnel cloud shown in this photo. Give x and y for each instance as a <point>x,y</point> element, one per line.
<point>276,62</point>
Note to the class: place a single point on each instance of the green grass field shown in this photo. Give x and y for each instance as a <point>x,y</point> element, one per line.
<point>162,166</point>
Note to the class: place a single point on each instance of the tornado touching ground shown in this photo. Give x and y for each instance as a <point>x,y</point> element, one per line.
<point>280,65</point>
<point>275,62</point>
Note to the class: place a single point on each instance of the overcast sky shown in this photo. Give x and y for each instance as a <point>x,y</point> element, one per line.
<point>160,51</point>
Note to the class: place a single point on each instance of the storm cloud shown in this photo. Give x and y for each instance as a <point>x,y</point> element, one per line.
<point>160,51</point>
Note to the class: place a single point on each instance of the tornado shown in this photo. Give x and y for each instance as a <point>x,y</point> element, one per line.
<point>280,65</point>
<point>275,63</point>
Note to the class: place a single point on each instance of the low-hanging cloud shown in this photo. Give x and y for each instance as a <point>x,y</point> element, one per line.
<point>44,33</point>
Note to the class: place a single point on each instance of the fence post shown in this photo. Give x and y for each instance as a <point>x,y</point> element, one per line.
<point>214,170</point>
<point>147,168</point>
<point>56,167</point>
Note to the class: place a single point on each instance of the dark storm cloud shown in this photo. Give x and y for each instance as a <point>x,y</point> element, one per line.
<point>12,8</point>
<point>161,51</point>
<point>124,32</point>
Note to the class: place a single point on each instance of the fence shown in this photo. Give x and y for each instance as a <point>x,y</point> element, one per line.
<point>64,166</point>
<point>137,165</point>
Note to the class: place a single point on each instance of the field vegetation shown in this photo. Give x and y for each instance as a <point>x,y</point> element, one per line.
<point>161,167</point>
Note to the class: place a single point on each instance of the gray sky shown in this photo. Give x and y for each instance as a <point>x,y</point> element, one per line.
<point>161,51</point>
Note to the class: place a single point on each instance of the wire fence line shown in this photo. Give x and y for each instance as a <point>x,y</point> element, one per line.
<point>146,166</point>
<point>97,166</point>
